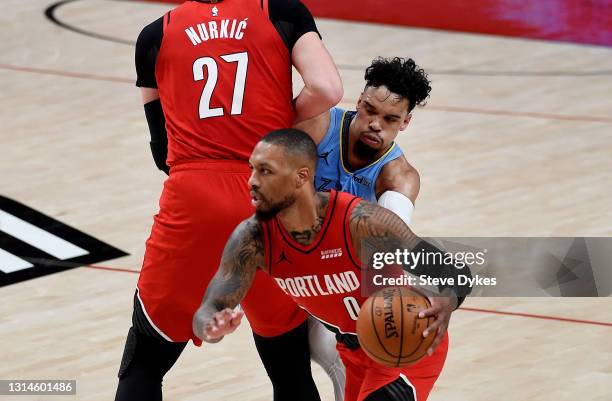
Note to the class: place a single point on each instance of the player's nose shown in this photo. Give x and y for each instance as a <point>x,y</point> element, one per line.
<point>253,183</point>
<point>374,125</point>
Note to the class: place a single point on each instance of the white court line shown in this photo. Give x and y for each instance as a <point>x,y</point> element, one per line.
<point>10,263</point>
<point>39,238</point>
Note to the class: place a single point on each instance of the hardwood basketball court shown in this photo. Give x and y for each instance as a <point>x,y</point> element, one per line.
<point>516,140</point>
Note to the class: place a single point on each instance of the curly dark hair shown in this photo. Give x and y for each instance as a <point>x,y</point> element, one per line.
<point>402,76</point>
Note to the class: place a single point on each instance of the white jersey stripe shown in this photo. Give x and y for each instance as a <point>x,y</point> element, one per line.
<point>157,329</point>
<point>329,324</point>
<point>403,376</point>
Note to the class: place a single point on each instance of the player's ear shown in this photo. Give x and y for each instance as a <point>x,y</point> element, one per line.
<point>404,123</point>
<point>302,177</point>
<point>359,99</point>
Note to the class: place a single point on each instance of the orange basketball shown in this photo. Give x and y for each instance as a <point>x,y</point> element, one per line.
<point>389,329</point>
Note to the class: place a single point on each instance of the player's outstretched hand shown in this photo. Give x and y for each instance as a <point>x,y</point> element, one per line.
<point>222,323</point>
<point>442,306</point>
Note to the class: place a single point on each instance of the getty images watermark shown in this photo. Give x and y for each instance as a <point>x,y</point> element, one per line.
<point>429,268</point>
<point>493,266</point>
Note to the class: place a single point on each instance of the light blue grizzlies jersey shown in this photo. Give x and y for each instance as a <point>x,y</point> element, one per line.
<point>332,172</point>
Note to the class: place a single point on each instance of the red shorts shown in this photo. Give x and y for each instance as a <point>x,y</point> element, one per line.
<point>201,204</point>
<point>364,376</point>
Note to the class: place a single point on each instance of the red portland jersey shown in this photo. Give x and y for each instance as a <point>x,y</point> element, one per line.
<point>224,79</point>
<point>325,277</point>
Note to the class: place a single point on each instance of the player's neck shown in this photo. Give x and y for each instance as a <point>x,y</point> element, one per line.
<point>304,219</point>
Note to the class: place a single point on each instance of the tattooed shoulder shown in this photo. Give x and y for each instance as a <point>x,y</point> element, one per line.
<point>362,219</point>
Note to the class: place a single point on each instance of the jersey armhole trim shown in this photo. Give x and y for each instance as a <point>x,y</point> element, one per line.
<point>348,242</point>
<point>264,6</point>
<point>267,247</point>
<point>393,153</point>
<point>167,19</point>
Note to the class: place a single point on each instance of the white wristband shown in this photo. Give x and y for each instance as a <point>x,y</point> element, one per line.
<point>398,203</point>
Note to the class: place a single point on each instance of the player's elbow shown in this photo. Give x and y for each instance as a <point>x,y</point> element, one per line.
<point>334,91</point>
<point>328,91</point>
<point>413,185</point>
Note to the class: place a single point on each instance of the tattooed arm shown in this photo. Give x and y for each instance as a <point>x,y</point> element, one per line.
<point>243,254</point>
<point>375,229</point>
<point>379,230</point>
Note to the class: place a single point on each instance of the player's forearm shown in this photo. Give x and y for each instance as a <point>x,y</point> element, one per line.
<point>433,262</point>
<point>315,100</point>
<point>225,291</point>
<point>399,204</point>
<point>381,234</point>
<point>157,129</point>
<point>426,260</point>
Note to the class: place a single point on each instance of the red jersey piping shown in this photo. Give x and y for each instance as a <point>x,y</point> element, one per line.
<point>348,241</point>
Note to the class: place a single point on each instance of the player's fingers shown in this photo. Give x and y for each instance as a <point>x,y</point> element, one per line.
<point>214,331</point>
<point>228,317</point>
<point>223,316</point>
<point>433,327</point>
<point>222,322</point>
<point>216,320</point>
<point>438,339</point>
<point>235,322</point>
<point>237,318</point>
<point>208,331</point>
<point>210,335</point>
<point>433,347</point>
<point>436,342</point>
<point>433,310</point>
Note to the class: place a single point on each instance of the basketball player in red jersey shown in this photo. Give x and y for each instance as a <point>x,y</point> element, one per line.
<point>215,77</point>
<point>293,226</point>
<point>375,170</point>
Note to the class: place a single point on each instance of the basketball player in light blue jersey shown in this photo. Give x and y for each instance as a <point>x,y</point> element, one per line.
<point>357,154</point>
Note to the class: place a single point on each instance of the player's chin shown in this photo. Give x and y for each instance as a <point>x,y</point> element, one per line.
<point>371,141</point>
<point>263,212</point>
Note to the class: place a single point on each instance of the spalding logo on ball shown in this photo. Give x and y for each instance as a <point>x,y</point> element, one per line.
<point>389,329</point>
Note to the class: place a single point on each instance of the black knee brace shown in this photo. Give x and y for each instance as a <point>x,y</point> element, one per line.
<point>287,361</point>
<point>147,357</point>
